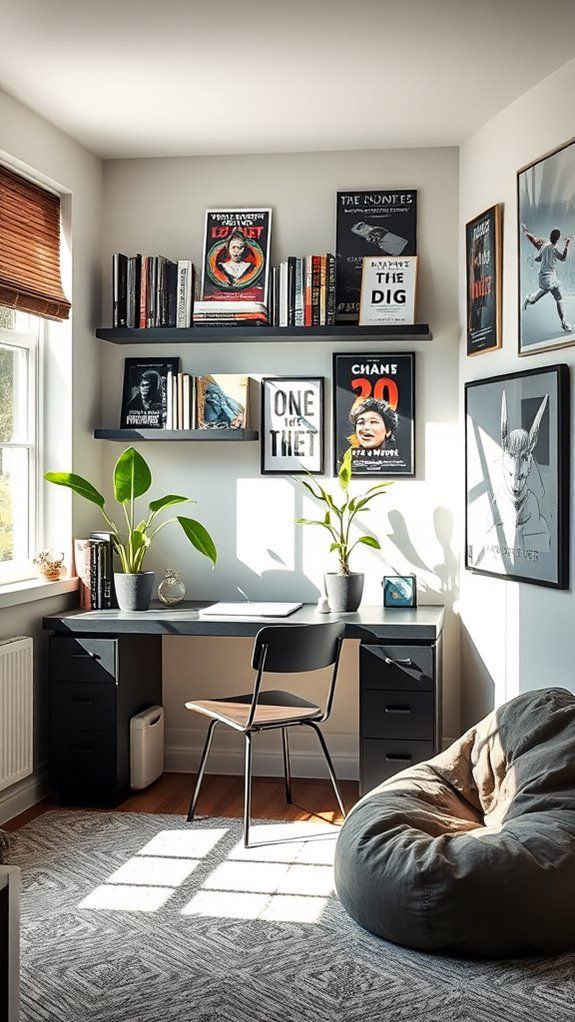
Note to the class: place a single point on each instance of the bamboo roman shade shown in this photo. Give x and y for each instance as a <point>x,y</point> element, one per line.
<point>30,248</point>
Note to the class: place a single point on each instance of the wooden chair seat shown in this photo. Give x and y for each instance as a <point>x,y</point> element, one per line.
<point>273,708</point>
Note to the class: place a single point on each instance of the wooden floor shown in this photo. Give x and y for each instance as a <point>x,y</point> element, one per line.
<point>223,796</point>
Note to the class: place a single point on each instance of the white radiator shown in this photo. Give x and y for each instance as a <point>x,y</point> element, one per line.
<point>16,710</point>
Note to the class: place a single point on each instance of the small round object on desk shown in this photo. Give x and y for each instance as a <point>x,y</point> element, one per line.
<point>171,590</point>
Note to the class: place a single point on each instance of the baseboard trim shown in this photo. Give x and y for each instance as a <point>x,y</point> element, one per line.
<point>266,762</point>
<point>26,794</point>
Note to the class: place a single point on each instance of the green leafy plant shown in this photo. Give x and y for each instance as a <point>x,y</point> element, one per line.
<point>132,479</point>
<point>339,516</point>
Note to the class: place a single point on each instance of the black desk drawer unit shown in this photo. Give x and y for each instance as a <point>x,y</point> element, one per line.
<point>96,685</point>
<point>399,708</point>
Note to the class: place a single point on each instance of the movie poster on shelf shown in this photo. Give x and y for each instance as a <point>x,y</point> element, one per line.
<point>222,401</point>
<point>370,223</point>
<point>483,256</point>
<point>388,291</point>
<point>236,257</point>
<point>292,425</point>
<point>145,393</point>
<point>374,413</point>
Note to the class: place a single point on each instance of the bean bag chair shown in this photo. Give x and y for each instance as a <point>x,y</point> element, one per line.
<point>473,851</point>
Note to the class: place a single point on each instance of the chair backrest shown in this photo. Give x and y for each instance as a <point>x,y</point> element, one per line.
<point>292,649</point>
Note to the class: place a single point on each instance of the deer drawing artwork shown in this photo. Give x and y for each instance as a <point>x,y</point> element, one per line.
<point>515,508</point>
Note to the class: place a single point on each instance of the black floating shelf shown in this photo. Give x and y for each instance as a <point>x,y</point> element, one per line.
<point>176,434</point>
<point>229,334</point>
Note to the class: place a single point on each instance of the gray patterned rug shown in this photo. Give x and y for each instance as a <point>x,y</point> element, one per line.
<point>143,918</point>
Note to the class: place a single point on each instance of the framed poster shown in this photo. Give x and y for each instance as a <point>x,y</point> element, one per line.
<point>517,476</point>
<point>483,260</point>
<point>370,223</point>
<point>388,288</point>
<point>374,413</point>
<point>236,264</point>
<point>145,392</point>
<point>546,257</point>
<point>292,429</point>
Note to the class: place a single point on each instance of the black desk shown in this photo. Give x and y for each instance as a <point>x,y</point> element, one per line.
<point>105,666</point>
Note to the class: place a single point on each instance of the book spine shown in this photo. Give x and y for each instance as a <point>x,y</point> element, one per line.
<point>323,290</point>
<point>144,292</point>
<point>308,290</point>
<point>291,291</point>
<point>150,292</point>
<point>94,605</point>
<point>193,413</point>
<point>298,298</point>
<point>100,574</point>
<point>169,400</point>
<point>137,288</point>
<point>120,289</point>
<point>315,286</point>
<point>82,564</point>
<point>330,309</point>
<point>180,401</point>
<point>175,401</point>
<point>184,294</point>
<point>283,314</point>
<point>186,401</point>
<point>107,581</point>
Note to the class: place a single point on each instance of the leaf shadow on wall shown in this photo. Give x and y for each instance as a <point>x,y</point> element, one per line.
<point>446,571</point>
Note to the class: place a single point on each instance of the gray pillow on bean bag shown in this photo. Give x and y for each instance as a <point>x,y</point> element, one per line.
<point>474,850</point>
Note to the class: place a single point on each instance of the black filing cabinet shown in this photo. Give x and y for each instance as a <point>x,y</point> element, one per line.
<point>399,708</point>
<point>97,683</point>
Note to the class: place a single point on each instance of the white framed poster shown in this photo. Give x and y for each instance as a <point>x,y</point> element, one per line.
<point>292,427</point>
<point>388,287</point>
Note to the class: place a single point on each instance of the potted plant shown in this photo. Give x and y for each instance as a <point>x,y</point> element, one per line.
<point>132,478</point>
<point>344,588</point>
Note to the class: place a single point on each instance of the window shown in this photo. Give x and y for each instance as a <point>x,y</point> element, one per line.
<point>21,338</point>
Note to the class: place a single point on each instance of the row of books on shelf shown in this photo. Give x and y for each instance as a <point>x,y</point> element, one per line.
<point>158,395</point>
<point>303,291</point>
<point>151,291</point>
<point>95,570</point>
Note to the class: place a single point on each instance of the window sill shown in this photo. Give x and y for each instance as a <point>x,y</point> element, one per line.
<point>34,589</point>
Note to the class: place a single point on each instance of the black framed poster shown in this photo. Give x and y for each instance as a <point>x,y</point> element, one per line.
<point>483,257</point>
<point>380,222</point>
<point>517,476</point>
<point>546,256</point>
<point>292,427</point>
<point>145,392</point>
<point>374,413</point>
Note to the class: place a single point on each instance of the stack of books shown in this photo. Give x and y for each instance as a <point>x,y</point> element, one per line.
<point>180,401</point>
<point>151,291</point>
<point>230,313</point>
<point>303,291</point>
<point>95,570</point>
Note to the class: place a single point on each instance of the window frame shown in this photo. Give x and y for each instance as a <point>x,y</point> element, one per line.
<point>32,341</point>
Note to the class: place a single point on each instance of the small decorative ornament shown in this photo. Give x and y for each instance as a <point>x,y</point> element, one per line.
<point>49,565</point>
<point>171,590</point>
<point>399,591</point>
<point>323,605</point>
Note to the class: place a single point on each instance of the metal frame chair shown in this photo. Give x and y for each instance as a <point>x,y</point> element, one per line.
<point>284,649</point>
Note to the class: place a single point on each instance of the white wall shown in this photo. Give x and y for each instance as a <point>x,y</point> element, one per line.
<point>37,148</point>
<point>514,637</point>
<point>157,206</point>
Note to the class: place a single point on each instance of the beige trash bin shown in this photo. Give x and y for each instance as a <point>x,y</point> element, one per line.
<point>146,747</point>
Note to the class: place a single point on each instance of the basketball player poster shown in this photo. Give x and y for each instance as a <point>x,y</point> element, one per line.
<point>546,257</point>
<point>374,413</point>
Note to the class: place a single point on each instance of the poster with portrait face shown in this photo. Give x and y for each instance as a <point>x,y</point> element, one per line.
<point>235,263</point>
<point>292,425</point>
<point>145,392</point>
<point>374,413</point>
<point>517,476</point>
<point>546,257</point>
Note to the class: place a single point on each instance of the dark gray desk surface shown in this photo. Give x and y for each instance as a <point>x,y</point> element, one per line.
<point>368,623</point>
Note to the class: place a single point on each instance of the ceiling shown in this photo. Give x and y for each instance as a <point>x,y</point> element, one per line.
<point>134,78</point>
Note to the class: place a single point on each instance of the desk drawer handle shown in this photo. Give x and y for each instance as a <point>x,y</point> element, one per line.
<point>398,709</point>
<point>397,758</point>
<point>399,663</point>
<point>83,702</point>
<point>82,656</point>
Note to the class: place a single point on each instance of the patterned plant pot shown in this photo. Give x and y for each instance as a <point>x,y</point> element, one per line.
<point>134,592</point>
<point>344,592</point>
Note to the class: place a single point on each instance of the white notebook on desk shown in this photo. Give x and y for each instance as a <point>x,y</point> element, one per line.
<point>248,609</point>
